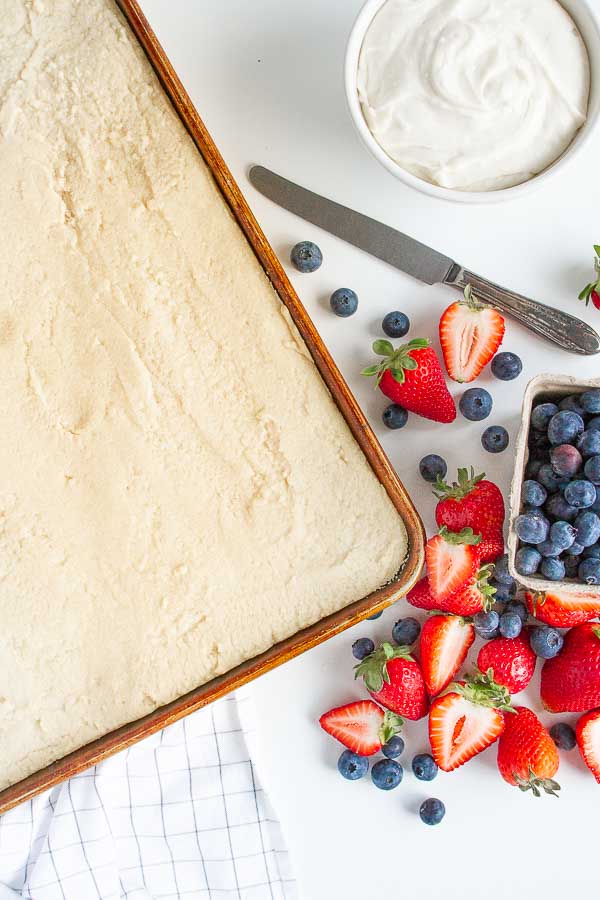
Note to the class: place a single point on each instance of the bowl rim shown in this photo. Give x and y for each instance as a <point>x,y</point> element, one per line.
<point>359,29</point>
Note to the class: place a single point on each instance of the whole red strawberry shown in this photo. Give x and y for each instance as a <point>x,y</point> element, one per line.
<point>476,503</point>
<point>592,291</point>
<point>509,661</point>
<point>571,681</point>
<point>527,755</point>
<point>562,610</point>
<point>412,376</point>
<point>395,680</point>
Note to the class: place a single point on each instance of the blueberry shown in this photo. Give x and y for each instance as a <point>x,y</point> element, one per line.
<point>545,642</point>
<point>352,766</point>
<point>565,427</point>
<point>576,549</point>
<point>571,565</point>
<point>553,569</point>
<point>406,631</point>
<point>563,736</point>
<point>534,493</point>
<point>566,460</point>
<point>362,647</point>
<point>486,623</point>
<point>549,479</point>
<point>581,494</point>
<point>476,404</point>
<point>501,572</point>
<point>532,468</point>
<point>589,571</point>
<point>594,424</point>
<point>387,774</point>
<point>431,466</point>
<point>549,549</point>
<point>394,747</point>
<point>589,443</point>
<point>306,256</point>
<point>515,606</point>
<point>510,625</point>
<point>541,415</point>
<point>558,508</point>
<point>506,366</point>
<point>395,416</point>
<point>376,615</point>
<point>595,507</point>
<point>527,560</point>
<point>532,529</point>
<point>588,528</point>
<point>344,302</point>
<point>539,445</point>
<point>432,811</point>
<point>592,552</point>
<point>572,403</point>
<point>504,592</point>
<point>563,535</point>
<point>424,767</point>
<point>396,324</point>
<point>592,468</point>
<point>495,439</point>
<point>590,401</point>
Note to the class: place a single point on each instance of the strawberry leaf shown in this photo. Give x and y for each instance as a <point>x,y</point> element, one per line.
<point>398,375</point>
<point>458,490</point>
<point>391,725</point>
<point>482,690</point>
<point>370,370</point>
<point>466,536</point>
<point>383,348</point>
<point>537,785</point>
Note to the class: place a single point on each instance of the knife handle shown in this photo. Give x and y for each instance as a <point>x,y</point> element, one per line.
<point>559,327</point>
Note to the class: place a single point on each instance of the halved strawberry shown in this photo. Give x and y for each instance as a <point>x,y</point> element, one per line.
<point>470,334</point>
<point>361,726</point>
<point>477,595</point>
<point>588,741</point>
<point>452,560</point>
<point>421,596</point>
<point>562,611</point>
<point>445,642</point>
<point>395,680</point>
<point>509,661</point>
<point>466,720</point>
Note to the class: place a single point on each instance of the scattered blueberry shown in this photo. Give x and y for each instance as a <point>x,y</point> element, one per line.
<point>306,256</point>
<point>362,647</point>
<point>541,415</point>
<point>566,460</point>
<point>548,549</point>
<point>572,403</point>
<point>527,561</point>
<point>376,615</point>
<point>432,811</point>
<point>486,624</point>
<point>534,493</point>
<point>515,606</point>
<point>344,302</point>
<point>588,528</point>
<point>510,625</point>
<point>592,468</point>
<point>495,439</point>
<point>589,443</point>
<point>589,570</point>
<point>506,366</point>
<point>387,774</point>
<point>431,466</point>
<point>558,508</point>
<point>549,479</point>
<point>532,468</point>
<point>406,631</point>
<point>424,767</point>
<point>594,424</point>
<point>396,324</point>
<point>395,416</point>
<point>563,535</point>
<point>553,568</point>
<point>352,766</point>
<point>563,736</point>
<point>590,401</point>
<point>501,572</point>
<point>545,642</point>
<point>571,565</point>
<point>565,426</point>
<point>580,494</point>
<point>576,549</point>
<point>476,404</point>
<point>592,552</point>
<point>394,747</point>
<point>532,529</point>
<point>504,592</point>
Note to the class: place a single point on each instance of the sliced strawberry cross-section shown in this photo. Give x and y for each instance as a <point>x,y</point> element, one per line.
<point>445,642</point>
<point>452,560</point>
<point>361,726</point>
<point>470,335</point>
<point>588,741</point>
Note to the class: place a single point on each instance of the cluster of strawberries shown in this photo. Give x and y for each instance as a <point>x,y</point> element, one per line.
<point>468,715</point>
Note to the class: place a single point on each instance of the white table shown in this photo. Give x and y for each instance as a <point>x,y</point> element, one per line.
<point>267,78</point>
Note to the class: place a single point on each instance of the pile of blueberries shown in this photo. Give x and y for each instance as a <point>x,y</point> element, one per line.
<point>559,526</point>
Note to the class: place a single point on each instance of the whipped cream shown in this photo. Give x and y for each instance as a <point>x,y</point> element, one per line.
<point>470,94</point>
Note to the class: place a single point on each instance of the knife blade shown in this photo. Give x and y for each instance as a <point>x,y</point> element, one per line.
<point>422,262</point>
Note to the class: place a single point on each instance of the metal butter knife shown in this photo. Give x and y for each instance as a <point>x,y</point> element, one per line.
<point>422,262</point>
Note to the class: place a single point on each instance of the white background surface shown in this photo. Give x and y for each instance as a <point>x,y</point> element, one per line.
<point>266,77</point>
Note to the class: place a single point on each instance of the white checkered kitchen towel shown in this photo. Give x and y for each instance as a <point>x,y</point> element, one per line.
<point>181,814</point>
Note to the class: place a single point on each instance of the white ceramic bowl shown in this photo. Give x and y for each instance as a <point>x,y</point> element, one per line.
<point>589,26</point>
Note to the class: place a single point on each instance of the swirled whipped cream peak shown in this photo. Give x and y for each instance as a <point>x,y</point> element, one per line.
<point>471,94</point>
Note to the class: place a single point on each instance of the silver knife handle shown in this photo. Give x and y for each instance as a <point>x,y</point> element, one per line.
<point>559,327</point>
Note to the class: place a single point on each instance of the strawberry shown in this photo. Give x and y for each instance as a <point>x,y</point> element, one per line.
<point>477,595</point>
<point>562,611</point>
<point>395,680</point>
<point>592,291</point>
<point>509,661</point>
<point>470,334</point>
<point>362,726</point>
<point>588,741</point>
<point>466,720</point>
<point>412,376</point>
<point>527,755</point>
<point>421,596</point>
<point>476,503</point>
<point>571,680</point>
<point>452,560</point>
<point>445,642</point>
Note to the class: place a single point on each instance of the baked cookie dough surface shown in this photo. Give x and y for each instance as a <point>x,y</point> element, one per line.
<point>178,491</point>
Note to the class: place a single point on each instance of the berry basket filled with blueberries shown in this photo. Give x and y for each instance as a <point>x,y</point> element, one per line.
<point>554,534</point>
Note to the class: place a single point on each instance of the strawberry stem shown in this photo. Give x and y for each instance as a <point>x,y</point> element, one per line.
<point>458,489</point>
<point>396,361</point>
<point>373,668</point>
<point>390,726</point>
<point>487,590</point>
<point>537,785</point>
<point>481,689</point>
<point>471,300</point>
